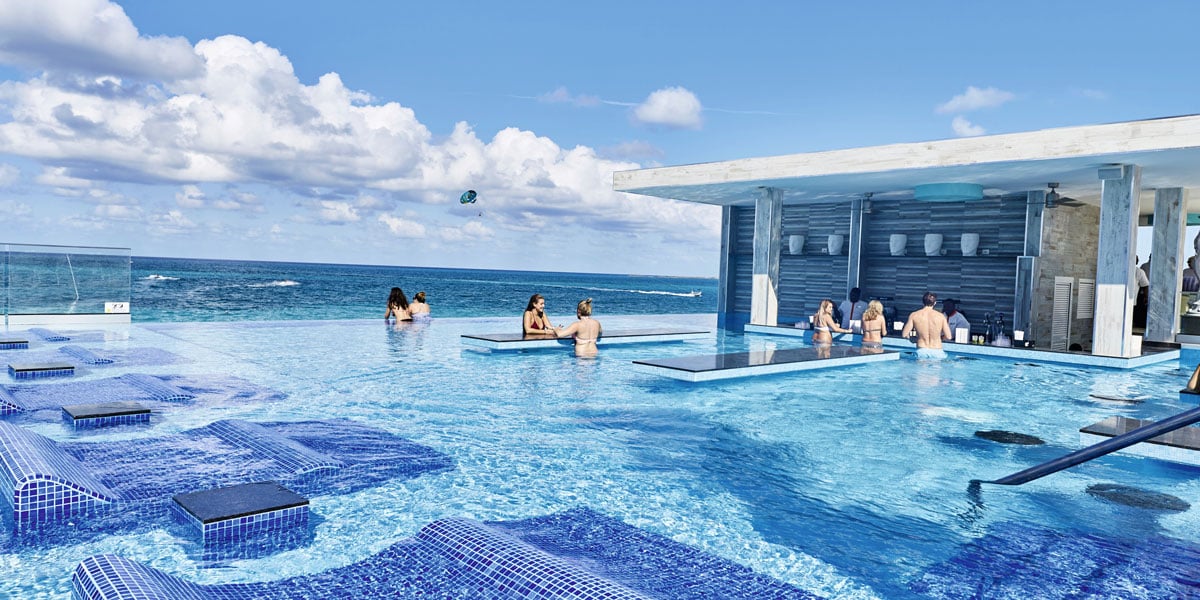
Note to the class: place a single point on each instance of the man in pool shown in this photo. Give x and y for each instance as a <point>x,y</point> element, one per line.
<point>931,328</point>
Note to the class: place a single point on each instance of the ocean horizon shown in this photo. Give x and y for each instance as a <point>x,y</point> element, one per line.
<point>165,289</point>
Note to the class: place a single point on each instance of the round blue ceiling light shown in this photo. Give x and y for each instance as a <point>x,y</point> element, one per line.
<point>948,192</point>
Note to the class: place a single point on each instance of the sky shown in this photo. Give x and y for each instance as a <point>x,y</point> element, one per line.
<point>346,132</point>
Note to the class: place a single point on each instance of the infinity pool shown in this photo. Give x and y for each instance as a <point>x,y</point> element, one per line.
<point>848,482</point>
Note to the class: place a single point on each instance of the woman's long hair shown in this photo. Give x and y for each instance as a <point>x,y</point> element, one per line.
<point>420,297</point>
<point>532,301</point>
<point>396,298</point>
<point>584,308</point>
<point>821,309</point>
<point>874,310</point>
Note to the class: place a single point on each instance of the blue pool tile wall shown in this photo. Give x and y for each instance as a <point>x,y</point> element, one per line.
<point>106,357</point>
<point>14,345</point>
<point>239,528</point>
<point>575,555</point>
<point>18,373</point>
<point>106,421</point>
<point>136,479</point>
<point>42,482</point>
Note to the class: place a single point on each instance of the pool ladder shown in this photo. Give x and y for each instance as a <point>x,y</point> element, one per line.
<point>1124,440</point>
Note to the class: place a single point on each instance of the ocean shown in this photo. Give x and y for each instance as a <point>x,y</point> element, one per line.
<point>184,290</point>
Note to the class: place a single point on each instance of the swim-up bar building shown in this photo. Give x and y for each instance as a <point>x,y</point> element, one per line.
<point>1038,226</point>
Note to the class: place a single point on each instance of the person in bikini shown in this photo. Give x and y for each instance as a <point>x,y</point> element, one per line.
<point>397,306</point>
<point>874,326</point>
<point>824,324</point>
<point>418,309</point>
<point>535,321</point>
<point>931,328</point>
<point>586,330</point>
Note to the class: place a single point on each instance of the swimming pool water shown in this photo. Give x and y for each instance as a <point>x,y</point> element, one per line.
<point>849,483</point>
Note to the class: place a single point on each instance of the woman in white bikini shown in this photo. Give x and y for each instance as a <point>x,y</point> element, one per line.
<point>418,308</point>
<point>824,324</point>
<point>586,330</point>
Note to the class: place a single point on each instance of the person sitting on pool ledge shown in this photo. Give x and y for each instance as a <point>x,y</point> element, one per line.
<point>874,326</point>
<point>586,330</point>
<point>535,321</point>
<point>931,328</point>
<point>418,308</point>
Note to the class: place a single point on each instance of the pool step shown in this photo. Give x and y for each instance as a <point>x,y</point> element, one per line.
<point>1181,445</point>
<point>105,414</point>
<point>240,511</point>
<point>40,370</point>
<point>13,344</point>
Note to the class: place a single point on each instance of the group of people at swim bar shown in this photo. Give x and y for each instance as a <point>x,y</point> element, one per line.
<point>585,329</point>
<point>929,325</point>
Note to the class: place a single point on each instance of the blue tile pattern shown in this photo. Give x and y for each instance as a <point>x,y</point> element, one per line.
<point>9,404</point>
<point>140,476</point>
<point>85,356</point>
<point>48,335</point>
<point>295,458</point>
<point>239,528</point>
<point>157,392</point>
<point>17,372</point>
<point>506,563</point>
<point>572,555</point>
<point>157,388</point>
<point>14,345</point>
<point>108,421</point>
<point>1022,560</point>
<point>42,482</point>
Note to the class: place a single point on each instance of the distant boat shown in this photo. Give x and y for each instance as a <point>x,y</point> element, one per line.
<point>694,293</point>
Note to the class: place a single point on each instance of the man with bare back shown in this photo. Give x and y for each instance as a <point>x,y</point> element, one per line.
<point>931,328</point>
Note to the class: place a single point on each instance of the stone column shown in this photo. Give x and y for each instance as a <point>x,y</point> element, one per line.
<point>725,271</point>
<point>1167,256</point>
<point>768,238</point>
<point>1116,287</point>
<point>1035,207</point>
<point>854,262</point>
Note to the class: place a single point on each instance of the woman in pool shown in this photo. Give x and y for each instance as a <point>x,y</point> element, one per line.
<point>418,309</point>
<point>397,306</point>
<point>874,326</point>
<point>535,320</point>
<point>586,330</point>
<point>824,324</point>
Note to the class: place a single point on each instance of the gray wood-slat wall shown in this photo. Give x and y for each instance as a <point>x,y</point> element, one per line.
<point>983,283</point>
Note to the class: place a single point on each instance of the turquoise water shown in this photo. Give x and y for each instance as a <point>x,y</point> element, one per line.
<point>850,483</point>
<point>176,289</point>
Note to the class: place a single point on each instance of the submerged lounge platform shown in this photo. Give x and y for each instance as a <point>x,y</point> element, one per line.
<point>518,341</point>
<point>762,362</point>
<point>1181,445</point>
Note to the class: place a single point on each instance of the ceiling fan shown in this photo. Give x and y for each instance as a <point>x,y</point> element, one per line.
<point>1053,199</point>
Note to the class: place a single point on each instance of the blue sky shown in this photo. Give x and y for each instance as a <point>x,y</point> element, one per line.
<point>345,132</point>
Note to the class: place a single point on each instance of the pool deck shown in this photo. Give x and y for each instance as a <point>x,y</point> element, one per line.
<point>762,362</point>
<point>1148,357</point>
<point>518,341</point>
<point>1181,445</point>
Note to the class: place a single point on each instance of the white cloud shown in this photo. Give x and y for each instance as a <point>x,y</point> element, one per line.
<point>118,212</point>
<point>974,99</point>
<point>337,212</point>
<point>1094,94</point>
<point>173,222</point>
<point>245,119</point>
<point>12,209</point>
<point>673,107</point>
<point>473,231</point>
<point>401,227</point>
<point>964,128</point>
<point>190,196</point>
<point>88,37</point>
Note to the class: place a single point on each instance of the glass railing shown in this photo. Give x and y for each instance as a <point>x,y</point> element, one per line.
<point>65,280</point>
